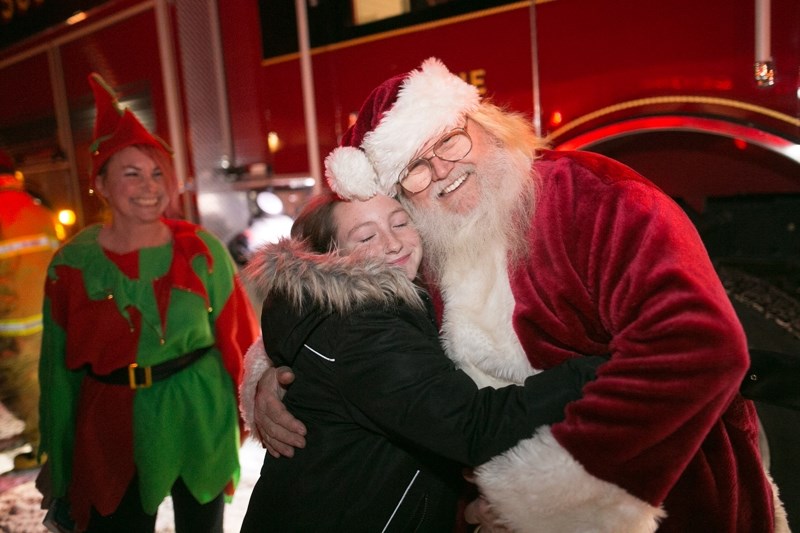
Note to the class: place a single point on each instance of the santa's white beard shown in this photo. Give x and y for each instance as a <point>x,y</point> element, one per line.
<point>500,219</point>
<point>467,257</point>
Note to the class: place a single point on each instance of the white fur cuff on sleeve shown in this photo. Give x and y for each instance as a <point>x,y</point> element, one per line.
<point>256,363</point>
<point>537,486</point>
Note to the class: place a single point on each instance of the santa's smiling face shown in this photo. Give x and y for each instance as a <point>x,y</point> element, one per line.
<point>455,185</point>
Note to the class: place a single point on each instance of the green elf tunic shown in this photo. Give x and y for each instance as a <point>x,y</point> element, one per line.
<point>104,311</point>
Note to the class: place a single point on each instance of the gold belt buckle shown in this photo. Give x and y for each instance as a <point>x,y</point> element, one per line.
<point>148,377</point>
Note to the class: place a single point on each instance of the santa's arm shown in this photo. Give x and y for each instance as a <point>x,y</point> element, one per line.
<point>256,363</point>
<point>261,403</point>
<point>539,486</point>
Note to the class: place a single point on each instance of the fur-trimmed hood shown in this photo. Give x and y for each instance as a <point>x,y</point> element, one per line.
<point>300,289</point>
<point>330,282</point>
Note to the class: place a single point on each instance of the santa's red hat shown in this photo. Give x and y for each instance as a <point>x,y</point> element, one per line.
<point>115,128</point>
<point>396,119</point>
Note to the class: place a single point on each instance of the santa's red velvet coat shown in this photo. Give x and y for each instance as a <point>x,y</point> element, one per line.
<point>662,440</point>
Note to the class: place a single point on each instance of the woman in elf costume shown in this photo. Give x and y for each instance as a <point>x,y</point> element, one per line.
<point>145,326</point>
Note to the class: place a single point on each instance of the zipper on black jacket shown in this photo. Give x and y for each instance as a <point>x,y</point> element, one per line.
<point>424,513</point>
<point>403,497</point>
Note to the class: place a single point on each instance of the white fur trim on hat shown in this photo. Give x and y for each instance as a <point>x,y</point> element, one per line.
<point>350,174</point>
<point>431,101</point>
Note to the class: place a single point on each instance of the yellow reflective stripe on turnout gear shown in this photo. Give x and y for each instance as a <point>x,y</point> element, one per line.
<point>19,327</point>
<point>27,245</point>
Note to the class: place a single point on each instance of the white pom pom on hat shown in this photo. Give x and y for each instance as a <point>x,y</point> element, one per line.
<point>350,174</point>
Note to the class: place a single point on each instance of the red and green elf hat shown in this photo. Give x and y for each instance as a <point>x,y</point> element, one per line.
<point>115,128</point>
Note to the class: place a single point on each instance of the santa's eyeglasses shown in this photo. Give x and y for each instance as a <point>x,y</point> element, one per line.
<point>452,146</point>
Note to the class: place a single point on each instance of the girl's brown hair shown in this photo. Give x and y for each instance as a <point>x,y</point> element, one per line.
<point>315,225</point>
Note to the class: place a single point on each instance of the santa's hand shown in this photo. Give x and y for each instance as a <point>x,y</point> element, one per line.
<point>277,429</point>
<point>479,511</point>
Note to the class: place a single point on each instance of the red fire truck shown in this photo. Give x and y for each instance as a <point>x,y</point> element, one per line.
<point>703,98</point>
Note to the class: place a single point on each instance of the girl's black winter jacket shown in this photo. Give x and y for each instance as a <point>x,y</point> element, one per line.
<point>391,421</point>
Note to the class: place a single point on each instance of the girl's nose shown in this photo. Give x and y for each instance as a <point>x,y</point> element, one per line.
<point>393,244</point>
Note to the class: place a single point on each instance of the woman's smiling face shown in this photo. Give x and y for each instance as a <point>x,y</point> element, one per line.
<point>134,186</point>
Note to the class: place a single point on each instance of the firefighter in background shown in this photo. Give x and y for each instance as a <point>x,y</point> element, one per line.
<point>28,237</point>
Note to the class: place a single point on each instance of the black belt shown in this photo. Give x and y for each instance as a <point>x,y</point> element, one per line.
<point>137,376</point>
